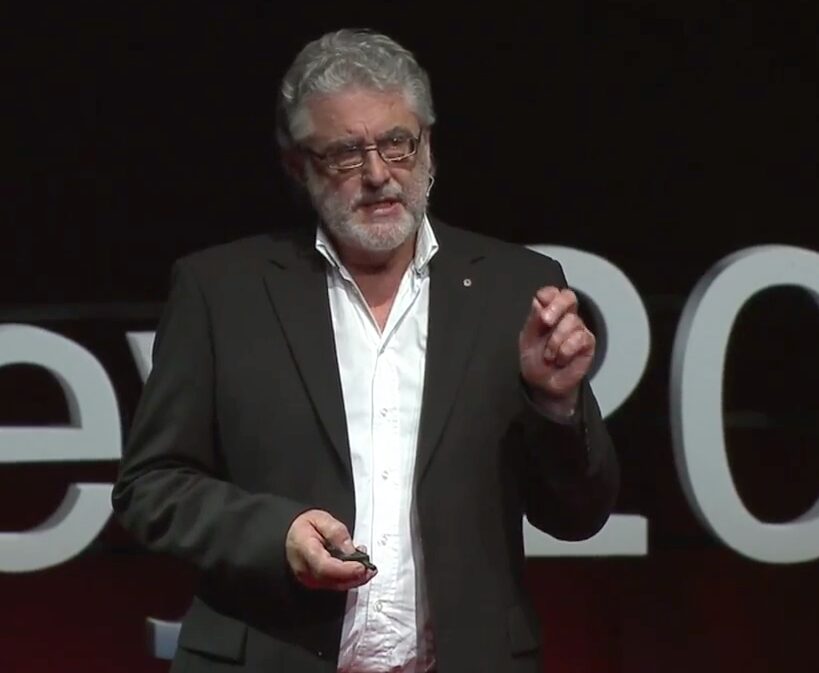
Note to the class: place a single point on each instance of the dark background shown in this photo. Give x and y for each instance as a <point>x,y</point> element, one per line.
<point>661,136</point>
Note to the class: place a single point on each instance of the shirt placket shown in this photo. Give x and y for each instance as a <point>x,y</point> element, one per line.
<point>385,443</point>
<point>387,459</point>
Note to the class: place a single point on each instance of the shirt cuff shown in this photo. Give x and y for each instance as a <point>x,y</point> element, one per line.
<point>574,420</point>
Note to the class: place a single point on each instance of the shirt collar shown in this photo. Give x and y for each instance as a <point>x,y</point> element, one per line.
<point>426,245</point>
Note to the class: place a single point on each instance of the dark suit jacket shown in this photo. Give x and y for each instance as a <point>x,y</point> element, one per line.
<point>241,427</point>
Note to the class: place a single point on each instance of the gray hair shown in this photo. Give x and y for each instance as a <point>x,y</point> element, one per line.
<point>345,59</point>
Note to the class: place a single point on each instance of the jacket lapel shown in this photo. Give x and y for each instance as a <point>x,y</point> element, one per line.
<point>296,284</point>
<point>458,294</point>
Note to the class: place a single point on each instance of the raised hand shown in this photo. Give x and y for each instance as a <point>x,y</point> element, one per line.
<point>556,349</point>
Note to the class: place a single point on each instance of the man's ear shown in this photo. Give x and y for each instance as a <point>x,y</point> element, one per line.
<point>293,162</point>
<point>432,165</point>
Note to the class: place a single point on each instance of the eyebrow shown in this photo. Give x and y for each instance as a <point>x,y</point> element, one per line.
<point>350,141</point>
<point>396,130</point>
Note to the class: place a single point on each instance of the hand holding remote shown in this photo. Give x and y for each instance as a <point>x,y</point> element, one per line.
<point>321,554</point>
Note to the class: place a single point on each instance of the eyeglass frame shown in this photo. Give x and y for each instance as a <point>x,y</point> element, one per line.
<point>323,157</point>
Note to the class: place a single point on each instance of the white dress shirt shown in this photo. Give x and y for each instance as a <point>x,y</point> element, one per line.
<point>386,625</point>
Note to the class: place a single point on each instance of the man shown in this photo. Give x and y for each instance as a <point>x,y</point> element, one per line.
<point>381,381</point>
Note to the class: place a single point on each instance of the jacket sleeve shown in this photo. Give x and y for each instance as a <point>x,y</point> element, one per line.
<point>570,476</point>
<point>171,494</point>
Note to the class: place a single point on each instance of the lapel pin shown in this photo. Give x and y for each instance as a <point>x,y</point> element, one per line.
<point>467,282</point>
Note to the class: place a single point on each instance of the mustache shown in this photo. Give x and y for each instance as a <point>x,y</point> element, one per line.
<point>388,193</point>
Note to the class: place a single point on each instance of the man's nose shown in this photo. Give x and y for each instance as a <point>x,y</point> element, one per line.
<point>374,171</point>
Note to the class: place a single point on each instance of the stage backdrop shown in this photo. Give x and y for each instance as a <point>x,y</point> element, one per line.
<point>664,153</point>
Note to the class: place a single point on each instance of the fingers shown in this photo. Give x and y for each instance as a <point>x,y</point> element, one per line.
<point>326,572</point>
<point>558,303</point>
<point>568,338</point>
<point>546,295</point>
<point>556,348</point>
<point>577,342</point>
<point>549,305</point>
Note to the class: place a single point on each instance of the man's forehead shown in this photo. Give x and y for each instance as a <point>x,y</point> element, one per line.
<point>359,112</point>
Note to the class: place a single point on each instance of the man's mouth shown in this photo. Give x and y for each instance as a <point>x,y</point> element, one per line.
<point>381,207</point>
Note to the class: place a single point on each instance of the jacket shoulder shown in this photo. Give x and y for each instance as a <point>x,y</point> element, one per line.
<point>226,255</point>
<point>515,256</point>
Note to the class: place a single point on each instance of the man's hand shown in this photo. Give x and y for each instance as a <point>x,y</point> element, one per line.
<point>309,535</point>
<point>556,350</point>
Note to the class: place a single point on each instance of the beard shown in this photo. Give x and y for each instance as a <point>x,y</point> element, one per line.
<point>351,222</point>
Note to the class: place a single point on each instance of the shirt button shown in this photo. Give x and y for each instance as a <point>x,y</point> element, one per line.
<point>385,475</point>
<point>383,540</point>
<point>379,606</point>
<point>384,411</point>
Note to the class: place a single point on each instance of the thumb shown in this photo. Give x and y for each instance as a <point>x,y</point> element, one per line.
<point>533,326</point>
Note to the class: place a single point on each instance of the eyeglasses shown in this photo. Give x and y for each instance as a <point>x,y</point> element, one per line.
<point>392,149</point>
